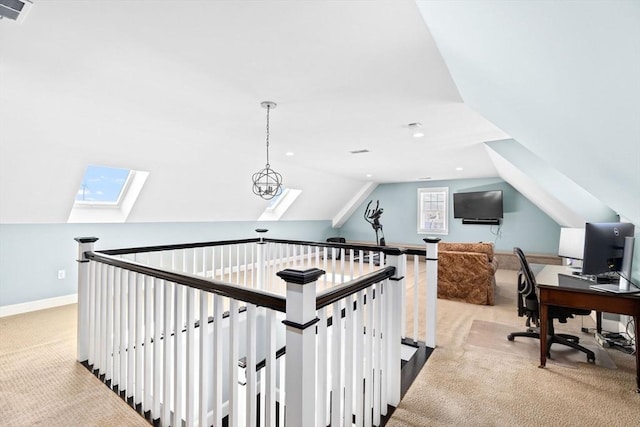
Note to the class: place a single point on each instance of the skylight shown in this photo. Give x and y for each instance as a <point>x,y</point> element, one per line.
<point>106,194</point>
<point>102,184</point>
<point>279,205</point>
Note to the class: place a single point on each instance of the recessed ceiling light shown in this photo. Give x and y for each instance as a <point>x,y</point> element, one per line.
<point>289,153</point>
<point>416,130</point>
<point>459,168</point>
<point>369,175</point>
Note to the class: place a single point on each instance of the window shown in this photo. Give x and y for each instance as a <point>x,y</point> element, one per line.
<point>433,212</point>
<point>106,194</point>
<point>279,205</point>
<point>102,184</point>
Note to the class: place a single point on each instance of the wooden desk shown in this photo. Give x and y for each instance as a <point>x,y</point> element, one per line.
<point>558,290</point>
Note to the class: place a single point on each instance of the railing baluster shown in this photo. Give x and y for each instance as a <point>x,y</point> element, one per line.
<point>148,345</point>
<point>359,346</point>
<point>139,350</point>
<point>169,339</point>
<point>204,358</point>
<point>179,378</point>
<point>270,369</point>
<point>230,265</point>
<point>131,339</point>
<point>191,352</point>
<point>217,360</point>
<point>117,317</point>
<point>263,387</point>
<point>250,367</point>
<point>93,302</point>
<point>221,262</point>
<point>109,327</point>
<point>124,311</point>
<point>377,300</point>
<point>348,361</point>
<point>336,366</point>
<point>238,266</point>
<point>233,362</point>
<point>103,321</point>
<point>246,266</point>
<point>383,326</point>
<point>215,260</point>
<point>325,255</point>
<point>368,365</point>
<point>282,390</point>
<point>322,409</point>
<point>157,346</point>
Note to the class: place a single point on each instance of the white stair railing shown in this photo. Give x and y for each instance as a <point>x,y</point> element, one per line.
<point>166,329</point>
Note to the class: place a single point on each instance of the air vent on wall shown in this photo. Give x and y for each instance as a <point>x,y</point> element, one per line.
<point>364,150</point>
<point>16,10</point>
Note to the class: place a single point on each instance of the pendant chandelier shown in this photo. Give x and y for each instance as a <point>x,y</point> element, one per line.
<point>267,183</point>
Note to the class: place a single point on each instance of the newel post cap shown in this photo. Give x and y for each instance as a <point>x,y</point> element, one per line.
<point>431,239</point>
<point>300,277</point>
<point>85,239</point>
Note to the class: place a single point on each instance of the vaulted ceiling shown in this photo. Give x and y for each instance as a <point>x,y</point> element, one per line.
<point>174,88</point>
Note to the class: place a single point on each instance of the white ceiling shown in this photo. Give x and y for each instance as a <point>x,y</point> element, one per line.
<point>174,88</point>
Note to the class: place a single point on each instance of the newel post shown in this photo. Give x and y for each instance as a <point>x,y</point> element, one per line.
<point>85,244</point>
<point>432,290</point>
<point>301,346</point>
<point>395,320</point>
<point>260,254</point>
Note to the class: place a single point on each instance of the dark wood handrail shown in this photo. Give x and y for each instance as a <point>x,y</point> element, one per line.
<point>387,250</point>
<point>241,293</point>
<point>413,251</point>
<point>177,246</point>
<point>339,292</point>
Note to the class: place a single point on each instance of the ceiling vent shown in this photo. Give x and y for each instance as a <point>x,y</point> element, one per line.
<point>16,10</point>
<point>364,150</point>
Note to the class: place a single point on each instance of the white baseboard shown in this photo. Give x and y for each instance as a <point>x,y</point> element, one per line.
<point>26,307</point>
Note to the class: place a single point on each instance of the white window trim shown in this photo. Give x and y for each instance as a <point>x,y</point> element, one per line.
<point>422,192</point>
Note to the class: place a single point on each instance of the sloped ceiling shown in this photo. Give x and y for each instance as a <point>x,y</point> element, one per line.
<point>561,199</point>
<point>560,77</point>
<point>174,88</point>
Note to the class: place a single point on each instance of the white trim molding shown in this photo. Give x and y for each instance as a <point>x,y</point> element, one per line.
<point>26,307</point>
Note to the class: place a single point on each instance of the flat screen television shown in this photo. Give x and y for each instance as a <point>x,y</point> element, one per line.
<point>608,248</point>
<point>478,205</point>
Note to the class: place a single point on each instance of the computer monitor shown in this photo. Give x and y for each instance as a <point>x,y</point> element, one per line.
<point>608,248</point>
<point>571,245</point>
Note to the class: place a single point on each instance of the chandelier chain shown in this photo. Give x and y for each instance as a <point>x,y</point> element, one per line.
<point>268,108</point>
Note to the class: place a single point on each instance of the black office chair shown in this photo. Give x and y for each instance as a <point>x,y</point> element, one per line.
<point>528,306</point>
<point>338,251</point>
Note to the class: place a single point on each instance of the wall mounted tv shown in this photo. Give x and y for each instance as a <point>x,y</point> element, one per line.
<point>478,207</point>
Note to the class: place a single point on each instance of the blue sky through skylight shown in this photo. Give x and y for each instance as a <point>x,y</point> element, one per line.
<point>102,184</point>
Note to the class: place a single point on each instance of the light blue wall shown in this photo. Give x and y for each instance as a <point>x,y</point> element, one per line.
<point>32,254</point>
<point>524,225</point>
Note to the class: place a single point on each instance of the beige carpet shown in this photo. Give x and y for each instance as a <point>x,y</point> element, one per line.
<point>467,385</point>
<point>493,336</point>
<point>41,384</point>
